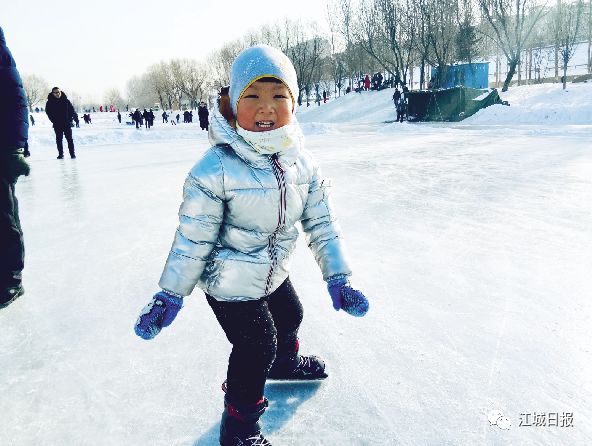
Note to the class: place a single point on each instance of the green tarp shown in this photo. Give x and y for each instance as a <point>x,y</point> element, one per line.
<point>449,104</point>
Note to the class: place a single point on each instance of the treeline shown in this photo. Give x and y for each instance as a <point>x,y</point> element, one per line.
<point>390,36</point>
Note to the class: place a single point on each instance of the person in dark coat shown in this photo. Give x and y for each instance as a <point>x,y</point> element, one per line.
<point>137,117</point>
<point>60,112</point>
<point>146,118</point>
<point>119,116</point>
<point>14,128</point>
<point>396,96</point>
<point>401,109</point>
<point>32,120</point>
<point>203,115</point>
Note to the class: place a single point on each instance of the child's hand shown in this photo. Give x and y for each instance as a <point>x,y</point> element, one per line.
<point>157,314</point>
<point>344,297</point>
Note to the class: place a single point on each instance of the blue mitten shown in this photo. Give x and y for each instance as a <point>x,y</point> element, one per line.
<point>157,314</point>
<point>344,297</point>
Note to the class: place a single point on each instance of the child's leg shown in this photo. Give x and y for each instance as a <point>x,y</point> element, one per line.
<point>249,328</point>
<point>286,310</point>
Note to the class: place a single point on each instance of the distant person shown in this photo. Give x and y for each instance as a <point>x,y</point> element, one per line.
<point>367,83</point>
<point>401,109</point>
<point>137,117</point>
<point>14,128</point>
<point>75,118</point>
<point>151,118</point>
<point>324,97</point>
<point>119,116</point>
<point>32,120</point>
<point>146,118</point>
<point>60,112</point>
<point>178,117</point>
<point>396,96</point>
<point>165,117</point>
<point>203,115</point>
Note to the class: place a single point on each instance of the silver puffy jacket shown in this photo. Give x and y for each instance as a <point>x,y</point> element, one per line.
<point>238,218</point>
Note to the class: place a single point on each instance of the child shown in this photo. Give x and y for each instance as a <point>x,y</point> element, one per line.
<point>237,231</point>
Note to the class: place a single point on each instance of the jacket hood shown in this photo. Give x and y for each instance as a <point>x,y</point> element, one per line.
<point>6,60</point>
<point>220,132</point>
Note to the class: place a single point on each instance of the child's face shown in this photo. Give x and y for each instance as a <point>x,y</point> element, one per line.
<point>264,106</point>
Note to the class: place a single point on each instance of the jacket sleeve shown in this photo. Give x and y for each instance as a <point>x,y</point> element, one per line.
<point>49,111</point>
<point>323,234</point>
<point>14,110</point>
<point>200,216</point>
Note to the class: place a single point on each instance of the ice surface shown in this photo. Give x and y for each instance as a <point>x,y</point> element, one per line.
<point>473,242</point>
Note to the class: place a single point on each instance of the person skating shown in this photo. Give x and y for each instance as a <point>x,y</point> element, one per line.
<point>14,127</point>
<point>242,201</point>
<point>60,112</point>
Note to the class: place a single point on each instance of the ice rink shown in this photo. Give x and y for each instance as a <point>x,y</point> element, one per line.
<point>472,241</point>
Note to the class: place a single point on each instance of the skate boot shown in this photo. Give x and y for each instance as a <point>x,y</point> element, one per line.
<point>240,424</point>
<point>294,367</point>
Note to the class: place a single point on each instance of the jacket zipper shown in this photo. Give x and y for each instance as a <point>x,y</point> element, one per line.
<point>278,171</point>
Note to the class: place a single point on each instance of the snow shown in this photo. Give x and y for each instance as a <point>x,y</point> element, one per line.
<point>473,242</point>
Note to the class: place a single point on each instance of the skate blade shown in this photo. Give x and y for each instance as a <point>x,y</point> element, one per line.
<point>295,380</point>
<point>224,385</point>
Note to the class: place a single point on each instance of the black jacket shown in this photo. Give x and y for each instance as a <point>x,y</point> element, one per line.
<point>14,112</point>
<point>59,111</point>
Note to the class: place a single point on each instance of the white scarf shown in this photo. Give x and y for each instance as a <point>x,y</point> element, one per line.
<point>272,141</point>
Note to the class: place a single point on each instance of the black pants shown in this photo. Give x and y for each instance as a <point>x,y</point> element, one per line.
<point>60,133</point>
<point>12,260</point>
<point>257,330</point>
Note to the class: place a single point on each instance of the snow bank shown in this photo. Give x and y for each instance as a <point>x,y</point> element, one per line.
<point>540,104</point>
<point>533,104</point>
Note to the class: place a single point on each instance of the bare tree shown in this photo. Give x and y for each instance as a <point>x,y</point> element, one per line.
<point>220,62</point>
<point>159,80</point>
<point>385,32</point>
<point>140,92</point>
<point>113,97</point>
<point>36,89</point>
<point>569,21</point>
<point>511,22</point>
<point>193,77</point>
<point>305,52</point>
<point>441,19</point>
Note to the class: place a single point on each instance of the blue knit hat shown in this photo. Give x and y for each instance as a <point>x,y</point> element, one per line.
<point>257,62</point>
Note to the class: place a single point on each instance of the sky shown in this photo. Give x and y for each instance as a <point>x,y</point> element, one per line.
<point>89,47</point>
